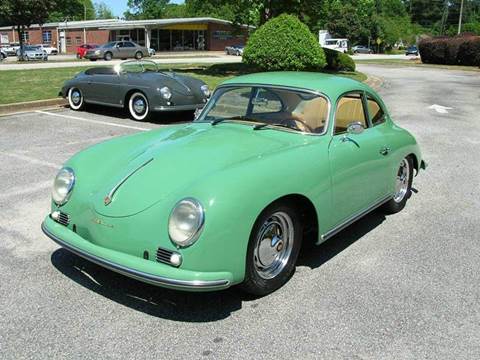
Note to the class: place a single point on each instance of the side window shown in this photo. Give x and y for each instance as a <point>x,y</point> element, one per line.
<point>128,44</point>
<point>266,101</point>
<point>120,44</point>
<point>377,116</point>
<point>349,109</point>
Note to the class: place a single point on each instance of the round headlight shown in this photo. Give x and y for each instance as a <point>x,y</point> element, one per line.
<point>205,90</point>
<point>63,185</point>
<point>166,93</point>
<point>186,222</point>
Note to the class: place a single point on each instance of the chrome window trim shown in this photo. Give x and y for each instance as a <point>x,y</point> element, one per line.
<point>269,86</point>
<point>365,110</point>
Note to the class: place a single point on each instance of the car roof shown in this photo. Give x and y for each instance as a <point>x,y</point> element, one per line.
<point>330,85</point>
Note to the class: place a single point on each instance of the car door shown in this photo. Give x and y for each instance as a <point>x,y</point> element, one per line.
<point>129,49</point>
<point>358,162</point>
<point>104,87</point>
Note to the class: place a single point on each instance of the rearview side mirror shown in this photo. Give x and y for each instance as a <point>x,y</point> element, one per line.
<point>355,128</point>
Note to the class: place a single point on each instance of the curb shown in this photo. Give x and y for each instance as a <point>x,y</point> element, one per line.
<point>8,109</point>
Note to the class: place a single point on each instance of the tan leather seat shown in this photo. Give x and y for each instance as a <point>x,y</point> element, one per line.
<point>313,113</point>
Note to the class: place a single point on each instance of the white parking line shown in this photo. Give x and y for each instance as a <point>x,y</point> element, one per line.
<point>92,121</point>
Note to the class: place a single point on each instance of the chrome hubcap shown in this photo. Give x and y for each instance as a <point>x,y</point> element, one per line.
<point>273,245</point>
<point>403,177</point>
<point>76,97</point>
<point>139,105</point>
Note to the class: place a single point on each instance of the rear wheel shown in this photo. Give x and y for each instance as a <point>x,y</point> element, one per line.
<point>108,56</point>
<point>75,99</point>
<point>138,106</point>
<point>403,186</point>
<point>273,249</point>
<point>138,55</point>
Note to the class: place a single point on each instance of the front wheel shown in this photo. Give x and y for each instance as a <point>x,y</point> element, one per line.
<point>75,99</point>
<point>138,106</point>
<point>403,187</point>
<point>108,56</point>
<point>273,249</point>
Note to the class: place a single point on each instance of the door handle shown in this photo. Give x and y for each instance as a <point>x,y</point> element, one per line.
<point>385,150</point>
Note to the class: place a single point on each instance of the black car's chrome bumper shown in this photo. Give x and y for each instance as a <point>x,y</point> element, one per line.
<point>179,107</point>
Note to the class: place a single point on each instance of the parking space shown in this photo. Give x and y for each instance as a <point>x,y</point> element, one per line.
<point>396,287</point>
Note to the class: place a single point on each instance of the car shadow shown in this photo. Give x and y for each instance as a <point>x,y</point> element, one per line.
<point>149,299</point>
<point>194,306</point>
<point>315,256</point>
<point>155,118</point>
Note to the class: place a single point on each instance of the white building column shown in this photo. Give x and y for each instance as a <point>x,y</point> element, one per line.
<point>148,35</point>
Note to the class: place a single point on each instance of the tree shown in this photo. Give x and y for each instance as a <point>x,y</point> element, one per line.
<point>103,11</point>
<point>24,13</point>
<point>145,9</point>
<point>72,10</point>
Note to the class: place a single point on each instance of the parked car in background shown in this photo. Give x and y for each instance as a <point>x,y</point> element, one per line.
<point>412,50</point>
<point>180,206</point>
<point>82,49</point>
<point>138,86</point>
<point>50,50</point>
<point>361,49</point>
<point>234,50</point>
<point>3,54</point>
<point>11,49</point>
<point>340,45</point>
<point>31,52</point>
<point>151,52</point>
<point>117,50</point>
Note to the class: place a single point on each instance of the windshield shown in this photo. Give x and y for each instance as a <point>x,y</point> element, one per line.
<point>31,48</point>
<point>296,110</point>
<point>331,42</point>
<point>135,66</point>
<point>108,45</point>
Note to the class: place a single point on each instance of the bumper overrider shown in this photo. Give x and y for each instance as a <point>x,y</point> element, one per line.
<point>138,268</point>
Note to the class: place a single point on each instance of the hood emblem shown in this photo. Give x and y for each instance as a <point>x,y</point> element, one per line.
<point>107,200</point>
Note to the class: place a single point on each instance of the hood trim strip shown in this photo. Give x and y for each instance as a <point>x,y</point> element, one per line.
<point>109,198</point>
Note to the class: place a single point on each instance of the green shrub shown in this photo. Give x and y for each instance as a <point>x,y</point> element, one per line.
<point>284,43</point>
<point>337,61</point>
<point>463,49</point>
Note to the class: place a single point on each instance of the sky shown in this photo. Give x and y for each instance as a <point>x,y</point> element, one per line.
<point>119,6</point>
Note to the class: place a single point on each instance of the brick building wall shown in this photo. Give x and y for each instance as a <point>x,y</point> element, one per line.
<point>221,36</point>
<point>33,36</point>
<point>76,37</point>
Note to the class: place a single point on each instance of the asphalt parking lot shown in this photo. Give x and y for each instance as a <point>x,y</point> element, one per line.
<point>404,286</point>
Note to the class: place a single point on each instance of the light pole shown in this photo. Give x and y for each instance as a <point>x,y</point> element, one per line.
<point>460,18</point>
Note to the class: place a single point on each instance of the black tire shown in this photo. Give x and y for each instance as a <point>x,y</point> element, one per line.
<point>396,205</point>
<point>138,55</point>
<point>138,115</point>
<point>108,56</point>
<point>255,283</point>
<point>75,99</point>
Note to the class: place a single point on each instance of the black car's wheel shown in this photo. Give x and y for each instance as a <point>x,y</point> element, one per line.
<point>108,56</point>
<point>138,55</point>
<point>403,186</point>
<point>273,249</point>
<point>138,106</point>
<point>75,99</point>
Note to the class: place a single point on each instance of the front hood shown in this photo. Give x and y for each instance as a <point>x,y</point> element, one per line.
<point>177,158</point>
<point>179,84</point>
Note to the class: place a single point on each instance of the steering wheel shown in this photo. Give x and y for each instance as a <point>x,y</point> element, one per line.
<point>305,125</point>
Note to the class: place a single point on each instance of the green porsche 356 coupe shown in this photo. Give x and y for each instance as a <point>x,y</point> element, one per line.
<point>274,160</point>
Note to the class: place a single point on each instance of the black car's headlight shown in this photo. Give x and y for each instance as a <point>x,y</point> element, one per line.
<point>186,222</point>
<point>205,90</point>
<point>166,93</point>
<point>63,185</point>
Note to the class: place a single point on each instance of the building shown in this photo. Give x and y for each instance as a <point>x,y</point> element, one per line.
<point>159,34</point>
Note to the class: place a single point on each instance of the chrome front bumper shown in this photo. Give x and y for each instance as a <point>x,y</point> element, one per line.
<point>198,285</point>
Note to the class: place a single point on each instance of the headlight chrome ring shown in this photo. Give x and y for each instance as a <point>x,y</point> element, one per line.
<point>205,90</point>
<point>63,186</point>
<point>166,93</point>
<point>186,221</point>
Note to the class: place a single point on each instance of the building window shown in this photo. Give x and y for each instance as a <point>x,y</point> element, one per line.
<point>78,40</point>
<point>25,37</point>
<point>47,37</point>
<point>69,41</point>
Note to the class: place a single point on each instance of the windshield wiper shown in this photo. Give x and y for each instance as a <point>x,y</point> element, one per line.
<point>261,126</point>
<point>216,121</point>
